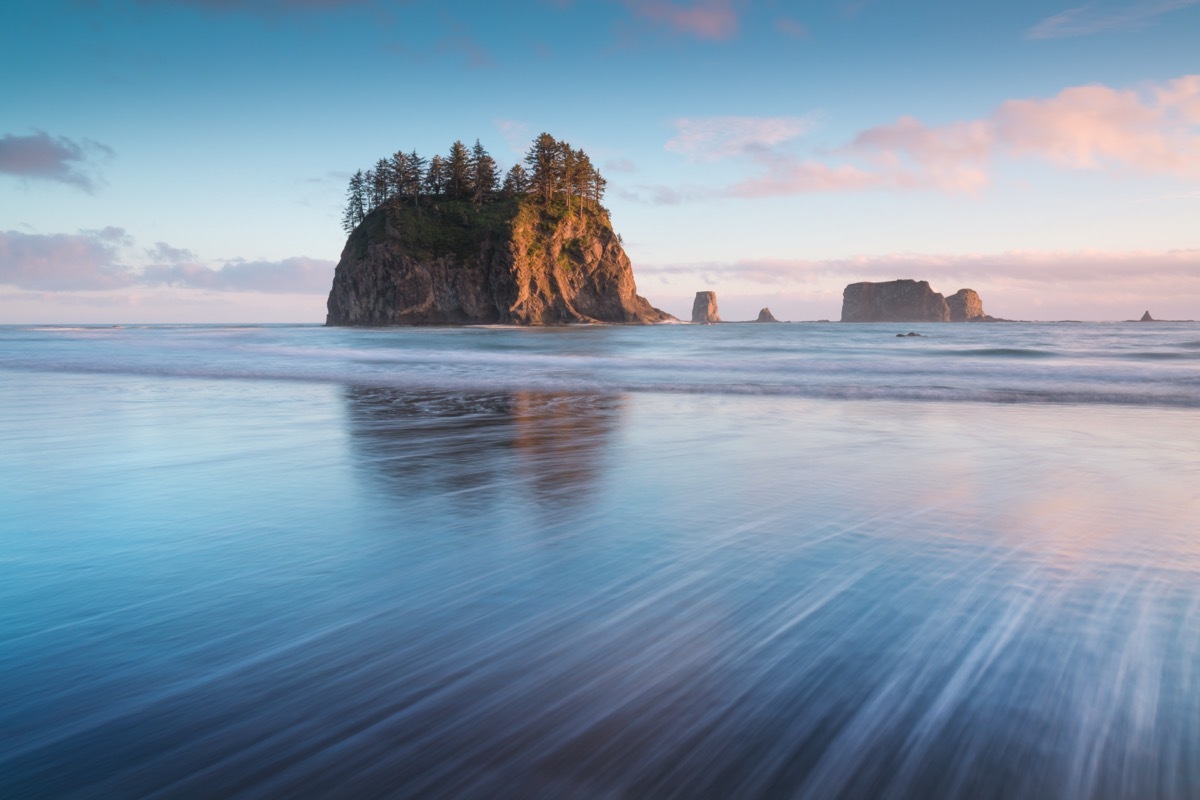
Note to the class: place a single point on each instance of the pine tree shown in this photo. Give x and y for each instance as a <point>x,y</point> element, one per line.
<point>581,180</point>
<point>369,189</point>
<point>568,167</point>
<point>516,182</point>
<point>542,159</point>
<point>435,177</point>
<point>458,172</point>
<point>381,182</point>
<point>397,169</point>
<point>483,174</point>
<point>414,176</point>
<point>356,206</point>
<point>598,186</point>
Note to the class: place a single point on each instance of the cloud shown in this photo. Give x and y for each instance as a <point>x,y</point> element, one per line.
<point>45,157</point>
<point>790,27</point>
<point>714,138</point>
<point>108,259</point>
<point>1152,130</point>
<point>714,20</point>
<point>517,135</point>
<point>262,6</point>
<point>461,42</point>
<point>86,260</point>
<point>619,165</point>
<point>1088,19</point>
<point>296,275</point>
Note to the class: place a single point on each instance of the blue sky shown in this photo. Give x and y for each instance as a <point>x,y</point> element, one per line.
<point>186,160</point>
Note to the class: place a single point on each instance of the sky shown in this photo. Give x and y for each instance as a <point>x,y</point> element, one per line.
<point>180,161</point>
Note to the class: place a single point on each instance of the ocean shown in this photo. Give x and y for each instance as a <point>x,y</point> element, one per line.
<point>738,560</point>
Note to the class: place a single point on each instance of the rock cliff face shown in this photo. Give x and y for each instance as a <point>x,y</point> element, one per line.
<point>511,262</point>
<point>704,308</point>
<point>965,306</point>
<point>766,316</point>
<point>894,301</point>
<point>908,301</point>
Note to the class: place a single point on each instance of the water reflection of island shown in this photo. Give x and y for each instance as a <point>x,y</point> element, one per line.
<point>548,447</point>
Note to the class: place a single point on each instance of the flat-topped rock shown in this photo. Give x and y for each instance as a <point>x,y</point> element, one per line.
<point>908,300</point>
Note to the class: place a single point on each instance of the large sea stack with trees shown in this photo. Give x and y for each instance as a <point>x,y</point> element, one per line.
<point>445,241</point>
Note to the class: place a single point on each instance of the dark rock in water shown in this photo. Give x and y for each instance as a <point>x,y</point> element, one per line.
<point>1147,318</point>
<point>512,261</point>
<point>965,306</point>
<point>766,316</point>
<point>909,301</point>
<point>905,335</point>
<point>704,308</point>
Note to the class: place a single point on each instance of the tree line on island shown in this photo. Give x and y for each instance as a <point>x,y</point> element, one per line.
<point>551,169</point>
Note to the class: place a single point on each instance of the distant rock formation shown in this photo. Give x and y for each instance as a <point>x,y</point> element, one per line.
<point>965,306</point>
<point>517,261</point>
<point>704,309</point>
<point>766,316</point>
<point>1147,318</point>
<point>909,301</point>
<point>893,301</point>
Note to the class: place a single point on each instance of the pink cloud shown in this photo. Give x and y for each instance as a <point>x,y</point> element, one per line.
<point>104,260</point>
<point>85,260</point>
<point>705,19</point>
<point>1154,130</point>
<point>1088,127</point>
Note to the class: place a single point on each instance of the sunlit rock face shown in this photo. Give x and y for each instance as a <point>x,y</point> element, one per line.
<point>909,301</point>
<point>704,308</point>
<point>516,262</point>
<point>965,306</point>
<point>893,301</point>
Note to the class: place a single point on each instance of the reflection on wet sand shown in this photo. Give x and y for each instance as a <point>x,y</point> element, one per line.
<point>549,448</point>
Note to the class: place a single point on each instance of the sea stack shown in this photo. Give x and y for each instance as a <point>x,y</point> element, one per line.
<point>1147,318</point>
<point>965,306</point>
<point>766,316</point>
<point>704,308</point>
<point>909,301</point>
<point>518,261</point>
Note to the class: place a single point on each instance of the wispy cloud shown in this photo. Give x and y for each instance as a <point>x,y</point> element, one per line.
<point>44,157</point>
<point>460,41</point>
<point>261,6</point>
<point>1092,19</point>
<point>791,27</point>
<point>517,135</point>
<point>714,138</point>
<point>109,259</point>
<point>714,20</point>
